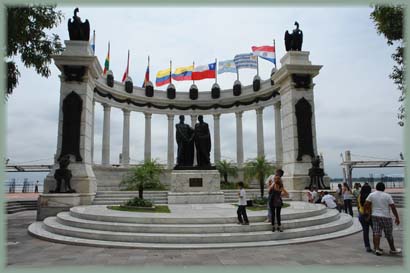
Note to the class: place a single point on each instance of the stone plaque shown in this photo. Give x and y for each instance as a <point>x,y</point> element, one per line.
<point>195,182</point>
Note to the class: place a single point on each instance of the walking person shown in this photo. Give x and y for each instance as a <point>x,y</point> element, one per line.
<point>269,184</point>
<point>36,187</point>
<point>276,202</point>
<point>380,204</point>
<point>242,216</point>
<point>339,197</point>
<point>347,199</point>
<point>364,217</point>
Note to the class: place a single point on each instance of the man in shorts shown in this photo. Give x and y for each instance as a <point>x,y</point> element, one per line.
<point>380,204</point>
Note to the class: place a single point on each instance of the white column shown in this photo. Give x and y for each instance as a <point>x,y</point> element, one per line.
<point>239,139</point>
<point>193,122</point>
<point>92,132</point>
<point>170,141</point>
<point>259,132</point>
<point>147,146</point>
<point>217,138</point>
<point>126,138</point>
<point>105,159</point>
<point>278,135</point>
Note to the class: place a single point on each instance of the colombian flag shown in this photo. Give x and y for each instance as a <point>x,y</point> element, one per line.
<point>183,73</point>
<point>163,77</point>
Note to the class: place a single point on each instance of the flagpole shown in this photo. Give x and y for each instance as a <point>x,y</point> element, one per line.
<point>148,68</point>
<point>170,71</point>
<point>128,64</point>
<point>237,74</point>
<point>274,48</point>
<point>257,65</point>
<point>193,68</point>
<point>216,71</point>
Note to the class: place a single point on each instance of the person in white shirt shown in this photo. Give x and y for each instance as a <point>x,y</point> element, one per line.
<point>242,217</point>
<point>329,200</point>
<point>380,203</point>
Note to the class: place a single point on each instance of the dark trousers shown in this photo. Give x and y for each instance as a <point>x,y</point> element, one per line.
<point>276,213</point>
<point>242,214</point>
<point>366,228</point>
<point>348,206</point>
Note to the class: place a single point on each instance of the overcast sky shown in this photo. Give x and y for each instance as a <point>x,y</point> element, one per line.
<point>356,103</point>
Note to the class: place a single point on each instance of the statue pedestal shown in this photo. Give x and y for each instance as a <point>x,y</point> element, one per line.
<point>49,204</point>
<point>195,187</point>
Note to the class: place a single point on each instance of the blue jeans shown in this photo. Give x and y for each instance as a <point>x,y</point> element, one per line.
<point>366,228</point>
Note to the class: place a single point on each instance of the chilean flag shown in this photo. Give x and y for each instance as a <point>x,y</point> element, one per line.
<point>265,52</point>
<point>204,72</point>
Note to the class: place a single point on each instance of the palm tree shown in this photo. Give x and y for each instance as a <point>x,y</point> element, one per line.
<point>143,175</point>
<point>226,169</point>
<point>258,168</point>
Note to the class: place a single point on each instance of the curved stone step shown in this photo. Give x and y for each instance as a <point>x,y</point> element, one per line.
<point>51,225</point>
<point>102,213</point>
<point>65,218</point>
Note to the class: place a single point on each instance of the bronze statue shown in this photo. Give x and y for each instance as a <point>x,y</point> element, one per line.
<point>63,173</point>
<point>316,174</point>
<point>185,141</point>
<point>77,30</point>
<point>202,142</point>
<point>293,42</point>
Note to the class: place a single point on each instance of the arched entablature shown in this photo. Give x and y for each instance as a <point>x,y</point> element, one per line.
<point>182,105</point>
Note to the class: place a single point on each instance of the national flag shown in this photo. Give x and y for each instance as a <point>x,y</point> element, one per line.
<point>226,66</point>
<point>246,60</point>
<point>107,61</point>
<point>265,52</point>
<point>124,77</point>
<point>146,77</point>
<point>163,77</point>
<point>204,72</point>
<point>183,73</point>
<point>93,42</point>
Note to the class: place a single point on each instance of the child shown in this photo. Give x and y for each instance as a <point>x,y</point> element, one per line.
<point>242,206</point>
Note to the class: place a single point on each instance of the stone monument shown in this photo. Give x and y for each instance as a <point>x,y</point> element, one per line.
<point>78,67</point>
<point>194,184</point>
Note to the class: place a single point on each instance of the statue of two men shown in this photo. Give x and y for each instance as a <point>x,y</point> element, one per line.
<point>187,137</point>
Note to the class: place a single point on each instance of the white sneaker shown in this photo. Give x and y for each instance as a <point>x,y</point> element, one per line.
<point>395,252</point>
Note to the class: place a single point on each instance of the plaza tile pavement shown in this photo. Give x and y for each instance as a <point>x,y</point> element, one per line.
<point>24,250</point>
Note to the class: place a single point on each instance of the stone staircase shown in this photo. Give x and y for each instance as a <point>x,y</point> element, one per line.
<point>161,197</point>
<point>119,197</point>
<point>191,226</point>
<point>21,205</point>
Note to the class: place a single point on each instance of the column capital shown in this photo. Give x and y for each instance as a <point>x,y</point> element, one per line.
<point>277,105</point>
<point>106,106</point>
<point>239,114</point>
<point>217,115</point>
<point>170,116</point>
<point>259,110</point>
<point>147,115</point>
<point>126,112</point>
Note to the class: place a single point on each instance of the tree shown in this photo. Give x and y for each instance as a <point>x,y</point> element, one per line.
<point>145,175</point>
<point>27,39</point>
<point>259,168</point>
<point>226,169</point>
<point>389,22</point>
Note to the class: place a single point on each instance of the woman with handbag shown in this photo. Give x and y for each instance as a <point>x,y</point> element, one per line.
<point>276,203</point>
<point>365,216</point>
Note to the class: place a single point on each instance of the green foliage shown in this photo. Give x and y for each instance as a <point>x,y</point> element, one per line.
<point>260,201</point>
<point>26,38</point>
<point>226,169</point>
<point>259,169</point>
<point>389,22</point>
<point>143,176</point>
<point>138,202</point>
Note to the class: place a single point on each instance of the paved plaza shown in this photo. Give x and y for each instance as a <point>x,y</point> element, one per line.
<point>27,251</point>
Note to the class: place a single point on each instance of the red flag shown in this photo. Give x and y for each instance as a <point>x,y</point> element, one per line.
<point>124,77</point>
